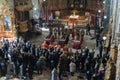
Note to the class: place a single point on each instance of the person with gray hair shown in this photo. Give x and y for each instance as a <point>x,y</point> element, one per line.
<point>72,66</point>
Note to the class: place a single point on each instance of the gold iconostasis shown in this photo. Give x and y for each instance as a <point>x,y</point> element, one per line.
<point>7,19</point>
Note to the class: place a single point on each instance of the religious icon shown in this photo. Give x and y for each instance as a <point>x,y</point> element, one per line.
<point>7,24</point>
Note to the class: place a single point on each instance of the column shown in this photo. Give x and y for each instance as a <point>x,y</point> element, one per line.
<point>35,9</point>
<point>118,64</point>
<point>118,20</point>
<point>107,13</point>
<point>114,14</point>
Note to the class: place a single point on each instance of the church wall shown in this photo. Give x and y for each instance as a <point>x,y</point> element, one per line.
<point>115,20</point>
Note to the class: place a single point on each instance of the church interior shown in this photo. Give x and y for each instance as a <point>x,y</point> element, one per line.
<point>59,39</point>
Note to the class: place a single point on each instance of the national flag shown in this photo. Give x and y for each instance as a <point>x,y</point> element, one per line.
<point>51,17</point>
<point>45,13</point>
<point>42,15</point>
<point>47,16</point>
<point>39,13</point>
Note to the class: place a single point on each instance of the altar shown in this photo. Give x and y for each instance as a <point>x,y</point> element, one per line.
<point>81,21</point>
<point>75,20</point>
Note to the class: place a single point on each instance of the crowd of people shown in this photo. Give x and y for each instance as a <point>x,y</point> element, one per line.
<point>27,58</point>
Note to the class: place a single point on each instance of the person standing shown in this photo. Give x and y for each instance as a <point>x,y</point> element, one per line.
<point>72,68</point>
<point>33,22</point>
<point>59,71</point>
<point>67,39</point>
<point>3,67</point>
<point>33,50</point>
<point>88,74</point>
<point>97,39</point>
<point>88,29</point>
<point>43,61</point>
<point>54,74</point>
<point>39,66</point>
<point>31,63</point>
<point>86,52</point>
<point>82,34</point>
<point>101,47</point>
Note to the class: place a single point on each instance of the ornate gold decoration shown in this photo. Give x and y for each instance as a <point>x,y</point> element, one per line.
<point>1,23</point>
<point>6,11</point>
<point>24,7</point>
<point>4,2</point>
<point>110,70</point>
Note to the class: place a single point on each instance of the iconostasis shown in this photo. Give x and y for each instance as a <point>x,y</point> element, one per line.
<point>7,19</point>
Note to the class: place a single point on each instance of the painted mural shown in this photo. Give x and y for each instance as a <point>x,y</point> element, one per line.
<point>7,24</point>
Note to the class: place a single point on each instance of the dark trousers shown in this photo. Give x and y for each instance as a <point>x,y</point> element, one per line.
<point>82,66</point>
<point>101,53</point>
<point>88,32</point>
<point>88,77</point>
<point>59,76</point>
<point>31,72</point>
<point>97,43</point>
<point>72,73</point>
<point>3,71</point>
<point>39,69</point>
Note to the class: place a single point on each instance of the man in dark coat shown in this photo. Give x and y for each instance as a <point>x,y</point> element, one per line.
<point>88,29</point>
<point>3,68</point>
<point>31,64</point>
<point>97,39</point>
<point>88,75</point>
<point>39,66</point>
